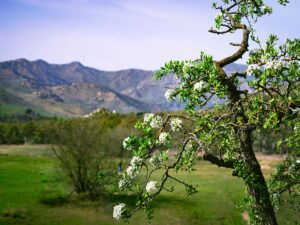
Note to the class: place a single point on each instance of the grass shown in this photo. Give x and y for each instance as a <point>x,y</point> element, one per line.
<point>12,110</point>
<point>33,191</point>
<point>9,109</point>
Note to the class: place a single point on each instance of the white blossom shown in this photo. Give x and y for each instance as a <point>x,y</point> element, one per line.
<point>151,187</point>
<point>148,117</point>
<point>163,138</point>
<point>135,161</point>
<point>277,63</point>
<point>298,161</point>
<point>131,171</point>
<point>198,86</point>
<point>266,9</point>
<point>156,122</point>
<point>270,64</point>
<point>122,183</point>
<point>153,121</point>
<point>134,167</point>
<point>186,67</point>
<point>251,68</point>
<point>176,124</point>
<point>296,110</point>
<point>126,143</point>
<point>118,211</point>
<point>168,95</point>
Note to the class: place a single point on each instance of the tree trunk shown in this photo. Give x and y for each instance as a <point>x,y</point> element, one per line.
<point>256,184</point>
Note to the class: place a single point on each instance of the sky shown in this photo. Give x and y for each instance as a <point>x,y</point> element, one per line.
<point>122,34</point>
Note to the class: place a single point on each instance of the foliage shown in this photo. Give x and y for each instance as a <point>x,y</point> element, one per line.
<point>87,153</point>
<point>229,129</point>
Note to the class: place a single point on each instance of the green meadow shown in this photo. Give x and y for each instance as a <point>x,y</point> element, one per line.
<point>33,191</point>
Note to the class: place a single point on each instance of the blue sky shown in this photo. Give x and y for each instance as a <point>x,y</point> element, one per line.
<point>121,34</point>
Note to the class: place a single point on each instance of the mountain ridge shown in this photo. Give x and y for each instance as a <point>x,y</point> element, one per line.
<point>73,85</point>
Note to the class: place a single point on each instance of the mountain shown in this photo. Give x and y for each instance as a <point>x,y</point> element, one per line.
<point>74,89</point>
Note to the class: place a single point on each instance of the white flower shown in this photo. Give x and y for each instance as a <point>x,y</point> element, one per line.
<point>134,167</point>
<point>296,110</point>
<point>127,143</point>
<point>176,124</point>
<point>118,211</point>
<point>156,122</point>
<point>151,187</point>
<point>270,64</point>
<point>251,68</point>
<point>122,184</point>
<point>295,127</point>
<point>198,86</point>
<point>163,138</point>
<point>266,9</point>
<point>148,117</point>
<point>153,121</point>
<point>298,161</point>
<point>186,67</point>
<point>135,161</point>
<point>131,171</point>
<point>277,63</point>
<point>168,95</point>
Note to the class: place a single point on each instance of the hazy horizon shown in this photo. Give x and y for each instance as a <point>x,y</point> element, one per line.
<point>121,34</point>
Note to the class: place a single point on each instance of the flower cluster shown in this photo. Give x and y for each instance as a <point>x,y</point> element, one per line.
<point>128,143</point>
<point>252,68</point>
<point>164,138</point>
<point>169,95</point>
<point>277,64</point>
<point>151,187</point>
<point>123,183</point>
<point>266,9</point>
<point>119,211</point>
<point>176,124</point>
<point>148,117</point>
<point>198,86</point>
<point>296,110</point>
<point>153,121</point>
<point>187,67</point>
<point>133,170</point>
<point>156,122</point>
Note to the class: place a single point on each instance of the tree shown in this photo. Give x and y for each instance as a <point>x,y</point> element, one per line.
<point>272,103</point>
<point>85,158</point>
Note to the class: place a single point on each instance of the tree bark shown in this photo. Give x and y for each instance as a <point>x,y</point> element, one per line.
<point>255,181</point>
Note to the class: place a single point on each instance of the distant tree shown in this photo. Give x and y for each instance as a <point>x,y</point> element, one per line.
<point>229,128</point>
<point>85,154</point>
<point>29,111</point>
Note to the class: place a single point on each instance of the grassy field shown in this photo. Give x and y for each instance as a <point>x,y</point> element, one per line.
<point>29,178</point>
<point>11,109</point>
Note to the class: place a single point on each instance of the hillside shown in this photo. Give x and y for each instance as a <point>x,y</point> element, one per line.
<point>74,89</point>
